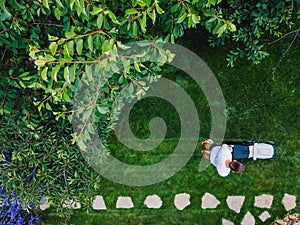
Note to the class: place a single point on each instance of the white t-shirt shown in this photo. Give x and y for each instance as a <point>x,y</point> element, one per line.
<point>218,157</point>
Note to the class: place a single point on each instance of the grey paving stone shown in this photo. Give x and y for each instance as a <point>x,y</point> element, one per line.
<point>181,201</point>
<point>248,219</point>
<point>264,216</point>
<point>153,202</point>
<point>209,201</point>
<point>235,203</point>
<point>289,202</point>
<point>124,203</point>
<point>98,203</point>
<point>227,222</point>
<point>263,201</point>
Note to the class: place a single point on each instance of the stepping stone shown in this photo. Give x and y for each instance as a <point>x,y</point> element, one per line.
<point>153,202</point>
<point>124,203</point>
<point>44,204</point>
<point>248,219</point>
<point>182,200</point>
<point>71,204</point>
<point>209,201</point>
<point>263,201</point>
<point>227,222</point>
<point>289,202</point>
<point>235,203</point>
<point>98,203</point>
<point>264,216</point>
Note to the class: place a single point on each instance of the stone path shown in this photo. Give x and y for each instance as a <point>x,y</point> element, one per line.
<point>182,201</point>
<point>264,216</point>
<point>124,203</point>
<point>209,201</point>
<point>235,203</point>
<point>99,203</point>
<point>153,202</point>
<point>263,201</point>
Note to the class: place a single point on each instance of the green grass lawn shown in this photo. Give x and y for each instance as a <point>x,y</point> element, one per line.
<point>260,106</point>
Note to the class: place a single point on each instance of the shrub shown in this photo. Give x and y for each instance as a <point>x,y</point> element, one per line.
<point>13,213</point>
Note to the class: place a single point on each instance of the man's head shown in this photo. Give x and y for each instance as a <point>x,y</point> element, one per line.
<point>207,143</point>
<point>236,166</point>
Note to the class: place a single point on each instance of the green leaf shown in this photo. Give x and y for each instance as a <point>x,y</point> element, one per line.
<point>106,46</point>
<point>49,58</point>
<point>232,27</point>
<point>53,47</point>
<point>23,74</point>
<point>106,23</point>
<point>70,34</point>
<point>210,2</point>
<point>143,22</point>
<point>44,74</point>
<point>195,18</point>
<point>22,84</point>
<point>209,13</point>
<point>190,22</point>
<point>136,66</point>
<point>172,38</point>
<point>90,43</point>
<point>216,28</point>
<point>134,3</point>
<point>181,17</point>
<point>69,48</point>
<point>66,96</point>
<point>131,11</point>
<point>61,41</point>
<point>40,106</point>
<point>135,29</point>
<point>45,4</point>
<point>121,46</point>
<point>67,74</point>
<point>58,13</point>
<point>176,7</point>
<point>79,45</point>
<point>52,38</point>
<point>100,21</point>
<point>141,3</point>
<point>103,109</point>
<point>158,9</point>
<point>113,17</point>
<point>54,72</point>
<point>131,88</point>
<point>96,11</point>
<point>152,15</point>
<point>40,63</point>
<point>90,129</point>
<point>5,11</point>
<point>126,66</point>
<point>48,106</point>
<point>72,71</point>
<point>221,30</point>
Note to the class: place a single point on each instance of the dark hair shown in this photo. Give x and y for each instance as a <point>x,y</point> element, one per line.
<point>236,167</point>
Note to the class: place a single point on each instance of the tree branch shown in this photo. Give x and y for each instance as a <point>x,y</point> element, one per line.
<point>48,24</point>
<point>285,52</point>
<point>294,31</point>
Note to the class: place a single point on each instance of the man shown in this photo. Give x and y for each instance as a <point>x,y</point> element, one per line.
<point>221,158</point>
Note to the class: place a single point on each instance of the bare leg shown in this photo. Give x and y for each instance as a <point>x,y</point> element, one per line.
<point>205,153</point>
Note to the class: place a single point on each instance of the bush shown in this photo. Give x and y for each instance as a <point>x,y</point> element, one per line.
<point>13,213</point>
